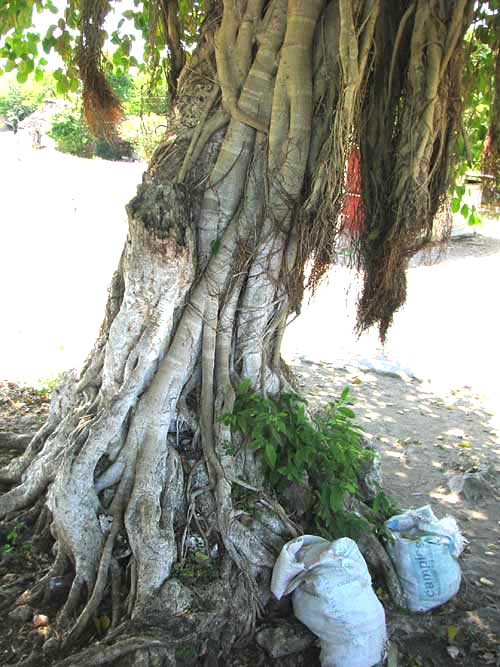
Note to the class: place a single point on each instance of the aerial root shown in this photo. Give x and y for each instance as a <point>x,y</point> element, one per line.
<point>116,607</point>
<point>16,441</point>
<point>72,602</point>
<point>107,565</point>
<point>100,654</point>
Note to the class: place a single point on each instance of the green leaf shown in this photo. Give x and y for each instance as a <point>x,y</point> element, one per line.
<point>270,455</point>
<point>455,205</point>
<point>465,211</point>
<point>336,495</point>
<point>62,86</point>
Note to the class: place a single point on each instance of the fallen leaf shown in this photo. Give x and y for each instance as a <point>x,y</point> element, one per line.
<point>452,632</point>
<point>381,594</point>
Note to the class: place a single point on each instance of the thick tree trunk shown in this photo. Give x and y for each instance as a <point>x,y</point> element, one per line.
<point>136,467</point>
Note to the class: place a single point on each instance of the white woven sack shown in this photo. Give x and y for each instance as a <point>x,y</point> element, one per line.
<point>334,598</point>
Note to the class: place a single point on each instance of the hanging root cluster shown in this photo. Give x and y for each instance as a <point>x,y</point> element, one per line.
<point>409,115</point>
<point>101,106</point>
<point>387,108</point>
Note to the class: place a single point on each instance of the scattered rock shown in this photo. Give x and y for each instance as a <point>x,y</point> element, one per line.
<point>483,622</point>
<point>40,620</point>
<point>22,613</point>
<point>284,639</point>
<point>473,486</point>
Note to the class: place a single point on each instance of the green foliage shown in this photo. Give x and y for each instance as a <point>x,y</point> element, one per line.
<point>138,94</point>
<point>459,205</point>
<point>325,450</point>
<point>14,108</point>
<point>18,101</point>
<point>12,542</point>
<point>478,93</point>
<point>134,35</point>
<point>71,134</point>
<point>45,385</point>
<point>138,134</point>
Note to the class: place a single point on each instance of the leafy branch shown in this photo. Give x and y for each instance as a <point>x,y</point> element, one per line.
<point>324,451</point>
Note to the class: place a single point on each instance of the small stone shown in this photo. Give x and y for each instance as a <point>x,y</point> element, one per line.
<point>22,613</point>
<point>284,639</point>
<point>486,582</point>
<point>473,486</point>
<point>453,652</point>
<point>40,620</point>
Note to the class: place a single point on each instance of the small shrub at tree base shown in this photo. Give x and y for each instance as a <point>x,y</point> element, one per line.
<point>326,450</point>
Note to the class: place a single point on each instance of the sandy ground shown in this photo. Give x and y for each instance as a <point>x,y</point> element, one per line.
<point>63,225</point>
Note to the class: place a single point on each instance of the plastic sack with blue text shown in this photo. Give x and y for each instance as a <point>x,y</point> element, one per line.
<point>425,553</point>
